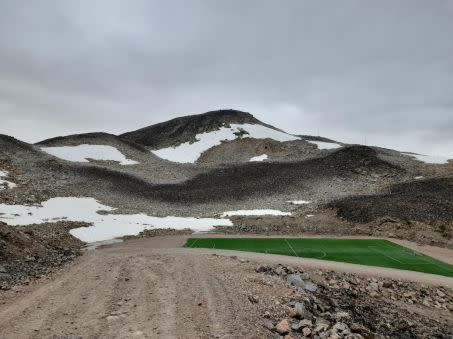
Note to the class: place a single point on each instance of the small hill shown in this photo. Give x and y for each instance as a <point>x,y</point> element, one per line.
<point>98,148</point>
<point>265,179</point>
<point>10,145</point>
<point>99,138</point>
<point>184,129</point>
<point>427,200</point>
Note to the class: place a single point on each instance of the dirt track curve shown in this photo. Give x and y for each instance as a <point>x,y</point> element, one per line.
<point>147,288</point>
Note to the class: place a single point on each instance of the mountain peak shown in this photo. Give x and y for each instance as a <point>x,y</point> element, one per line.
<point>183,129</point>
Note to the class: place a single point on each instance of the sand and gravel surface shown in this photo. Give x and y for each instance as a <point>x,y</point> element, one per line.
<point>133,290</point>
<point>154,288</point>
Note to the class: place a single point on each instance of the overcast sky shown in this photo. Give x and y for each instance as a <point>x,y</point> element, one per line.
<point>380,70</point>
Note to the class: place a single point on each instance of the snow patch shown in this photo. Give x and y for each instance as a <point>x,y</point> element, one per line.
<point>325,145</point>
<point>5,183</point>
<point>299,202</point>
<point>82,153</point>
<point>259,157</point>
<point>254,212</point>
<point>309,215</point>
<point>106,226</point>
<point>429,159</point>
<point>189,152</point>
<point>419,177</point>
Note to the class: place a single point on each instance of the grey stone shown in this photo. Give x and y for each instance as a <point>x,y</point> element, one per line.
<point>301,311</point>
<point>296,280</point>
<point>268,324</point>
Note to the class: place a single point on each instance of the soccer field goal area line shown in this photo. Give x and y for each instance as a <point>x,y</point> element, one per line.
<point>422,257</point>
<point>193,244</point>
<point>374,248</point>
<point>323,253</point>
<point>292,249</point>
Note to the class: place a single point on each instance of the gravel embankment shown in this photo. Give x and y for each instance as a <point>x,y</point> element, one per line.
<point>30,252</point>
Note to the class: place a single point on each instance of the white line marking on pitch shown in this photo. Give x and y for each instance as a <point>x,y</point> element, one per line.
<point>383,253</point>
<point>324,254</point>
<point>193,244</point>
<point>292,249</point>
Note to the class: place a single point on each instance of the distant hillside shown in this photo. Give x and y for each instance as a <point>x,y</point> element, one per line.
<point>316,138</point>
<point>184,129</point>
<point>99,138</point>
<point>421,200</point>
<point>12,145</point>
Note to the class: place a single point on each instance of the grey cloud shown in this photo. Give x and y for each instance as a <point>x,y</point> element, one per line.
<point>350,69</point>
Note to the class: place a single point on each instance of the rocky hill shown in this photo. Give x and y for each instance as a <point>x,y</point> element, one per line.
<point>206,164</point>
<point>222,171</point>
<point>184,129</point>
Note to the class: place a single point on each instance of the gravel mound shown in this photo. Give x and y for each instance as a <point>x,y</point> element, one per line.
<point>428,200</point>
<point>341,305</point>
<point>28,252</point>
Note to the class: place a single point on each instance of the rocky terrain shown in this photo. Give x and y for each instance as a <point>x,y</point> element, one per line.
<point>30,252</point>
<point>429,200</point>
<point>364,186</point>
<point>354,180</point>
<point>148,288</point>
<point>328,304</point>
<point>345,190</point>
<point>184,129</point>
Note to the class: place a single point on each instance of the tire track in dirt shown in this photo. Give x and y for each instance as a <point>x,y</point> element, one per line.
<point>140,289</point>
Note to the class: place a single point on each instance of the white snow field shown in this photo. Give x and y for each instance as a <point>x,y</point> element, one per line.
<point>429,159</point>
<point>104,227</point>
<point>5,183</point>
<point>82,153</point>
<point>254,212</point>
<point>189,152</point>
<point>299,202</point>
<point>325,145</point>
<point>259,157</point>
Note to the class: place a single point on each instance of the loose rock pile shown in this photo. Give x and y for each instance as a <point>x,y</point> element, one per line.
<point>331,305</point>
<point>30,252</point>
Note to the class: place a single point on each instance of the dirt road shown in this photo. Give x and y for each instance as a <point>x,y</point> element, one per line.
<point>131,290</point>
<point>147,288</point>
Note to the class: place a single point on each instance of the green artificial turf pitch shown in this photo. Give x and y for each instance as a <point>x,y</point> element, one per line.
<point>371,252</point>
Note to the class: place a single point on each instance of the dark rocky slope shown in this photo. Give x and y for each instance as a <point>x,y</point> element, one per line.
<point>95,138</point>
<point>428,200</point>
<point>184,129</point>
<point>247,180</point>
